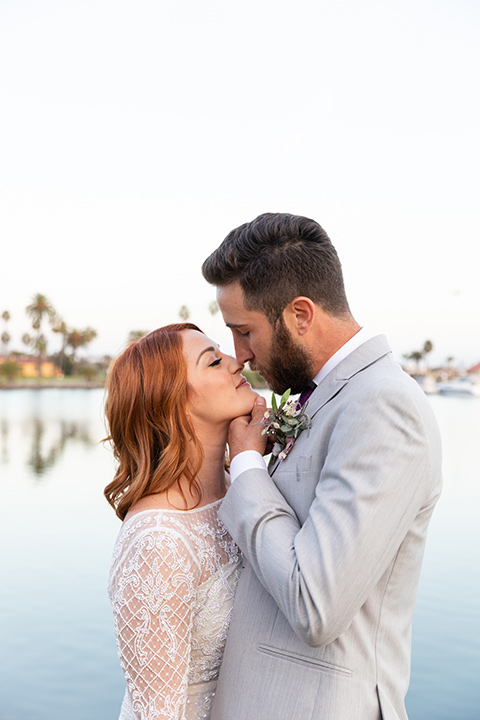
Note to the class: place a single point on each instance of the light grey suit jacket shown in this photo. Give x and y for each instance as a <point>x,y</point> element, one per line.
<point>333,546</point>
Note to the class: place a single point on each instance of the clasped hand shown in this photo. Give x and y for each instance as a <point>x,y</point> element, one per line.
<point>245,432</point>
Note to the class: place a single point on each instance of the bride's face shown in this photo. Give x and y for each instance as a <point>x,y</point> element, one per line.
<point>219,392</point>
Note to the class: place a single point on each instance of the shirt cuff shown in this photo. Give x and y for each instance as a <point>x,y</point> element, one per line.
<point>246,460</point>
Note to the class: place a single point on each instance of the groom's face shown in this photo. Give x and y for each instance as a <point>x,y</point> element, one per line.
<point>270,351</point>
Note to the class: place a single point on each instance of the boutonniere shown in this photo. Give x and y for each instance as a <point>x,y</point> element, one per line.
<point>285,422</point>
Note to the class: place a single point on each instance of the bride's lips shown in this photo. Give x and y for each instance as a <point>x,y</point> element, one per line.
<point>243,382</point>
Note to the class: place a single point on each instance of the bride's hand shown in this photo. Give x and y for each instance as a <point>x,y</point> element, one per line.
<point>245,433</point>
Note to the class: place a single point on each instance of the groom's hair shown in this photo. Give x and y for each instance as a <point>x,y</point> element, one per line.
<point>278,257</point>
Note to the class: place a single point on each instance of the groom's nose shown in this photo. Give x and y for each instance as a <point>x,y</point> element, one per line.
<point>243,351</point>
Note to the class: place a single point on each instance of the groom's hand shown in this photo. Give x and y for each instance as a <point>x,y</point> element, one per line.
<point>245,433</point>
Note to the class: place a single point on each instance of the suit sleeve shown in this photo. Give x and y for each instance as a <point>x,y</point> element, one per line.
<point>373,483</point>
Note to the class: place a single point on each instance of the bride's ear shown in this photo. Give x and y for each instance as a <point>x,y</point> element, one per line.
<point>299,315</point>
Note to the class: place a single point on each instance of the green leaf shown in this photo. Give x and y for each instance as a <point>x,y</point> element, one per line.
<point>274,403</point>
<point>285,397</point>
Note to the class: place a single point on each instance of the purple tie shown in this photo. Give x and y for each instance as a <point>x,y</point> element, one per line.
<point>306,393</point>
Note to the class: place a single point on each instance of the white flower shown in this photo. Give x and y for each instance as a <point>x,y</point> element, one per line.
<point>285,422</point>
<point>289,410</point>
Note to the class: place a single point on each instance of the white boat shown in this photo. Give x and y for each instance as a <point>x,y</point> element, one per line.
<point>467,387</point>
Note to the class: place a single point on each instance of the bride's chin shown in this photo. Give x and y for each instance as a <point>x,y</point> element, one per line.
<point>252,395</point>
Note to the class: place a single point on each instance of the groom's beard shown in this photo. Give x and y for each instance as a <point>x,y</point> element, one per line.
<point>289,366</point>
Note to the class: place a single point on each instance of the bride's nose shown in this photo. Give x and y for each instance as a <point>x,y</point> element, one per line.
<point>235,366</point>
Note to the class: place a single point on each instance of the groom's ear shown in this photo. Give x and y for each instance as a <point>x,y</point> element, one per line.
<point>299,315</point>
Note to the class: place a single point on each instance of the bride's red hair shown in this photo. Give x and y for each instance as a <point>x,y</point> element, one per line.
<point>146,412</point>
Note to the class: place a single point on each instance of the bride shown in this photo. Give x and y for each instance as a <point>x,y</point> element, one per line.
<point>170,398</point>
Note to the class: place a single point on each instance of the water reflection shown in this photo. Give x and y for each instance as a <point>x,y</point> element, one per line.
<point>56,537</point>
<point>44,452</point>
<point>52,473</point>
<point>36,427</point>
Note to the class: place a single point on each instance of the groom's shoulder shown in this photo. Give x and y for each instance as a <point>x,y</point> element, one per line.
<point>375,373</point>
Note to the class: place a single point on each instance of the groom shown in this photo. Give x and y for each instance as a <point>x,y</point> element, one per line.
<point>333,536</point>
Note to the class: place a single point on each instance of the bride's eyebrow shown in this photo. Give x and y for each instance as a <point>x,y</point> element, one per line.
<point>205,350</point>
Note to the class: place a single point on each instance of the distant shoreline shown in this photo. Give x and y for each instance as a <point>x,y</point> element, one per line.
<point>78,383</point>
<point>70,384</point>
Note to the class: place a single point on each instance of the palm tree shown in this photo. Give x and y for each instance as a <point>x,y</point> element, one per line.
<point>89,334</point>
<point>40,345</point>
<point>416,356</point>
<point>27,339</point>
<point>136,335</point>
<point>184,313</point>
<point>5,340</point>
<point>74,341</point>
<point>77,339</point>
<point>213,308</point>
<point>427,348</point>
<point>5,335</point>
<point>60,328</point>
<point>39,309</point>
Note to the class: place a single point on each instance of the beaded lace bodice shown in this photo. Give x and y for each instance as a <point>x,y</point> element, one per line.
<point>172,583</point>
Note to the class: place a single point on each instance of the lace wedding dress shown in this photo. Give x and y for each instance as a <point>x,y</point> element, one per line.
<point>172,583</point>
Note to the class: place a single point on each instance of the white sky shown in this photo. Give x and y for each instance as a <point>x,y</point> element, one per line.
<point>134,135</point>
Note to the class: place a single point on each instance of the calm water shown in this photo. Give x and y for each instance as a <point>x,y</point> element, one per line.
<point>58,657</point>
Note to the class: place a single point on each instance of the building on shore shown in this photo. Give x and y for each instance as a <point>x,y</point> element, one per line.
<point>29,367</point>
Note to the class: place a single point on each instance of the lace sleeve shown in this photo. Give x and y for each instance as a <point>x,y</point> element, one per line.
<point>152,606</point>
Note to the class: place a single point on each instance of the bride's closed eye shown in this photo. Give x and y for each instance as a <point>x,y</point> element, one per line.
<point>215,362</point>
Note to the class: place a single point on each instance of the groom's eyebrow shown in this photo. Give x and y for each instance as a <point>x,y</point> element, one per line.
<point>234,326</point>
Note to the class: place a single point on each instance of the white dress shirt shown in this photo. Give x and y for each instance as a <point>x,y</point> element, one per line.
<point>250,459</point>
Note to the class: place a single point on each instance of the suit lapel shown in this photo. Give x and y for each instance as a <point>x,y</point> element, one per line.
<point>322,394</point>
<point>365,355</point>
